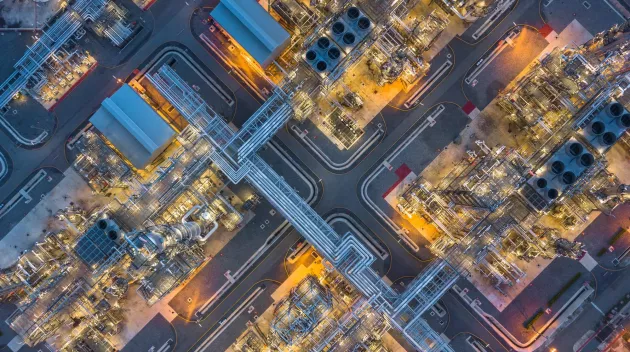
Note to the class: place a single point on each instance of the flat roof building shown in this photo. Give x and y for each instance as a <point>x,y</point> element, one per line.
<point>133,127</point>
<point>252,28</point>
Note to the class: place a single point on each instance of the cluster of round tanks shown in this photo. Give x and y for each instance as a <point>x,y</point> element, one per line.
<point>112,234</point>
<point>576,151</point>
<point>616,112</point>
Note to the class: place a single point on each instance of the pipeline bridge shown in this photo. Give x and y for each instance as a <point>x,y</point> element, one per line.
<point>234,152</point>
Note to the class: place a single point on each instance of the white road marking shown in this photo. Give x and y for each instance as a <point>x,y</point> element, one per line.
<point>596,307</point>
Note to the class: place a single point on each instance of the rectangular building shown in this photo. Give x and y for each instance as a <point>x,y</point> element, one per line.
<point>252,28</point>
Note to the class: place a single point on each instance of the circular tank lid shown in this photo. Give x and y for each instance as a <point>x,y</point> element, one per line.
<point>568,177</point>
<point>541,183</point>
<point>557,167</point>
<point>587,159</point>
<point>575,149</point>
<point>338,28</point>
<point>615,109</point>
<point>321,65</point>
<point>311,55</point>
<point>348,38</point>
<point>624,120</point>
<point>598,127</point>
<point>323,42</point>
<point>552,193</point>
<point>113,235</point>
<point>353,12</point>
<point>102,224</point>
<point>334,53</point>
<point>609,138</point>
<point>364,23</point>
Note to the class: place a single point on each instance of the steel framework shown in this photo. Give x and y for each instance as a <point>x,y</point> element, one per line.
<point>51,40</point>
<point>347,253</point>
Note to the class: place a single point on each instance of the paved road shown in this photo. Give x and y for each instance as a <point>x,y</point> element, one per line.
<point>172,19</point>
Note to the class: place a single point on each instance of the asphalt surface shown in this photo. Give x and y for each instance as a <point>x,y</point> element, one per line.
<point>168,21</point>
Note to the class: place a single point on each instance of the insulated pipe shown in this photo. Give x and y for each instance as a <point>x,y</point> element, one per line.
<point>189,213</point>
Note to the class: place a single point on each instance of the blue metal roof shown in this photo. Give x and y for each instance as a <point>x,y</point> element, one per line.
<point>252,28</point>
<point>132,126</point>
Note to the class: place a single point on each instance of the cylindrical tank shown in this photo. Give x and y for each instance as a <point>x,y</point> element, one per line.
<point>541,183</point>
<point>349,38</point>
<point>311,55</point>
<point>598,128</point>
<point>321,66</point>
<point>334,53</point>
<point>608,138</point>
<point>614,110</point>
<point>552,193</point>
<point>353,13</point>
<point>587,159</point>
<point>624,121</point>
<point>568,178</point>
<point>338,28</point>
<point>323,43</point>
<point>574,149</point>
<point>557,167</point>
<point>364,23</point>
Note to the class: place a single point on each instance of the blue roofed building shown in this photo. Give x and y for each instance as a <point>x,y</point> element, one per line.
<point>133,127</point>
<point>253,28</point>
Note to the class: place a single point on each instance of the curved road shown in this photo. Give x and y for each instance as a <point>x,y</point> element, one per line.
<point>172,19</point>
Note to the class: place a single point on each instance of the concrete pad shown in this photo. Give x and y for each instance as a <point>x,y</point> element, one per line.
<point>573,35</point>
<point>619,162</point>
<point>391,344</point>
<point>296,276</point>
<point>500,301</point>
<point>588,262</point>
<point>16,343</point>
<point>41,218</point>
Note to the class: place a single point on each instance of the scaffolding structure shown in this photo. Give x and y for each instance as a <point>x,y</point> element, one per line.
<point>298,314</point>
<point>347,253</point>
<point>47,44</point>
<point>487,180</point>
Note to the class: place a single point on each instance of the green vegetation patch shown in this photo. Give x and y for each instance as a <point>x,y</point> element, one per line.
<point>530,322</point>
<point>564,288</point>
<point>622,231</point>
